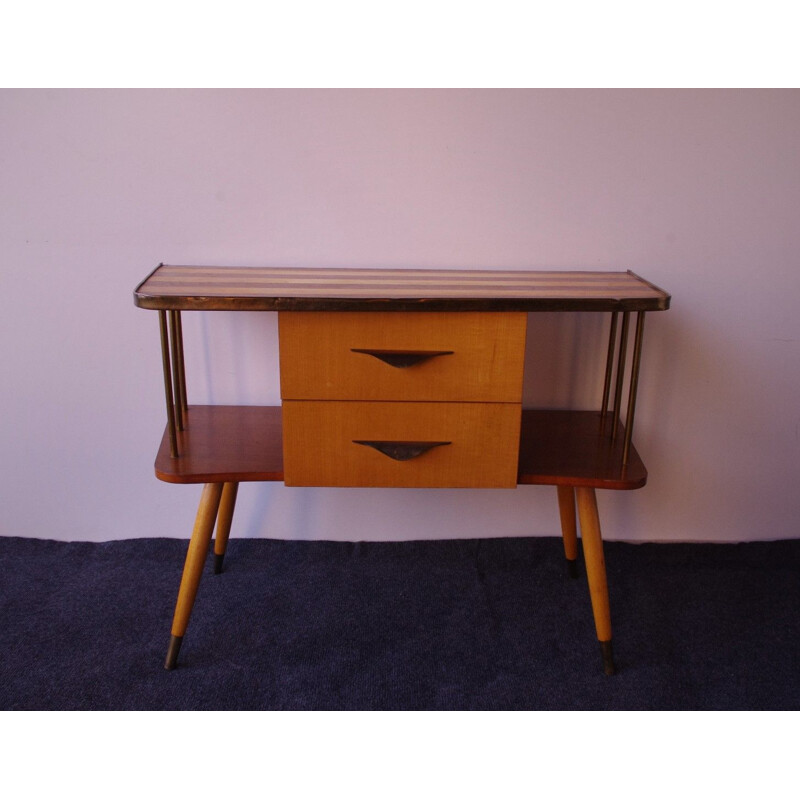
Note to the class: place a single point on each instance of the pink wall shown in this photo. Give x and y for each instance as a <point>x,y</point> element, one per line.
<point>699,191</point>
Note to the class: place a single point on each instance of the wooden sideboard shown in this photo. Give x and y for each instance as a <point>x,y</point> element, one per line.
<point>402,378</point>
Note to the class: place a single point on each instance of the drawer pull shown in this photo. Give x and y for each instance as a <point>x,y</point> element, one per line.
<point>402,358</point>
<point>400,451</point>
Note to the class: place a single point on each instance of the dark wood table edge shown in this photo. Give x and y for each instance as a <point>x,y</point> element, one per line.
<point>523,304</point>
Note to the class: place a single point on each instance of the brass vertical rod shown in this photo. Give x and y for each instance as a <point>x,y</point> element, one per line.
<point>635,364</point>
<point>180,366</point>
<point>623,347</point>
<point>176,380</point>
<point>612,341</point>
<point>173,436</point>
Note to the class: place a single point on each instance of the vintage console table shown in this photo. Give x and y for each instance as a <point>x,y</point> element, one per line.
<point>403,378</point>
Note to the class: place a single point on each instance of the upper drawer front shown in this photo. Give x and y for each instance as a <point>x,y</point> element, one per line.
<point>351,443</point>
<point>457,356</point>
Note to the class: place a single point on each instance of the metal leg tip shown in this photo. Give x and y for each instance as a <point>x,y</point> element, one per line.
<point>608,658</point>
<point>218,563</point>
<point>572,567</point>
<point>172,652</point>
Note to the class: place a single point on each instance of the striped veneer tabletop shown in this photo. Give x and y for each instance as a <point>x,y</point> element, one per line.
<point>278,288</point>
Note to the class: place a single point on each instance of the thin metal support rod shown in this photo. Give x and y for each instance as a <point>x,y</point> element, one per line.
<point>623,347</point>
<point>612,342</point>
<point>173,436</point>
<point>176,380</point>
<point>181,367</point>
<point>635,365</point>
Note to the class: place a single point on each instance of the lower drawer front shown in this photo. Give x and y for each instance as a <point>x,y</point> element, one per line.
<point>351,443</point>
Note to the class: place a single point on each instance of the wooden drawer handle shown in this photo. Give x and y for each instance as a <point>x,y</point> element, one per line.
<point>402,358</point>
<point>400,451</point>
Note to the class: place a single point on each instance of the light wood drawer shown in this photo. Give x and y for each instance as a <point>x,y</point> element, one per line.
<point>464,356</point>
<point>320,449</point>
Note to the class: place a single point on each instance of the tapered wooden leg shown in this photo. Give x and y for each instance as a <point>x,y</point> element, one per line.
<point>569,527</point>
<point>596,572</point>
<point>226,505</point>
<point>193,568</point>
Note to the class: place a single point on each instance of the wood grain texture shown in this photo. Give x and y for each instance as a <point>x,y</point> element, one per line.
<point>195,556</point>
<point>225,443</point>
<point>227,504</point>
<point>567,448</point>
<point>595,562</point>
<point>485,363</point>
<point>569,524</point>
<point>299,289</point>
<point>244,443</point>
<point>320,448</point>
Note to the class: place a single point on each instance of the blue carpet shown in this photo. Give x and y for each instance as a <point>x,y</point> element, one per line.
<point>482,624</point>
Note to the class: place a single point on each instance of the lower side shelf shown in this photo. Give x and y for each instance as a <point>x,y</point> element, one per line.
<point>570,448</point>
<point>244,443</point>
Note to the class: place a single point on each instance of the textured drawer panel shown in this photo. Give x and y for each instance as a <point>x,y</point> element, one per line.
<point>461,444</point>
<point>459,356</point>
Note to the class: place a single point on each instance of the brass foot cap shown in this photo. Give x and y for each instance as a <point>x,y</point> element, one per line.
<point>172,652</point>
<point>572,567</point>
<point>608,658</point>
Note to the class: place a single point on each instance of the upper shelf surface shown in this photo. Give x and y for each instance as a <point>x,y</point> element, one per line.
<point>307,289</point>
